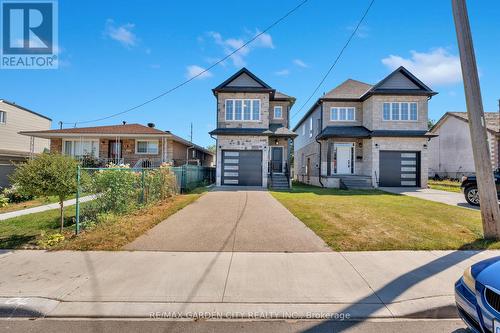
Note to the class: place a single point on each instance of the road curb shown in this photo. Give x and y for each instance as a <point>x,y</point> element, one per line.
<point>26,307</point>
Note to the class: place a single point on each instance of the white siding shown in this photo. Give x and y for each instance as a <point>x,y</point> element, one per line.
<point>20,120</point>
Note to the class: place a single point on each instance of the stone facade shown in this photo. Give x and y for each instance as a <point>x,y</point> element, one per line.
<point>228,142</point>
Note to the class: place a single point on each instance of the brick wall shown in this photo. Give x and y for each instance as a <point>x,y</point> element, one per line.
<point>56,146</point>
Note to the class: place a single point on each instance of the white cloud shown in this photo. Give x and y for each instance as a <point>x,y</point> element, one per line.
<point>300,63</point>
<point>122,34</point>
<point>229,45</point>
<point>363,30</point>
<point>283,72</point>
<point>194,70</point>
<point>436,67</point>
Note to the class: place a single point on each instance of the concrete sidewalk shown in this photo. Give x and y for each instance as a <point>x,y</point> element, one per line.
<point>396,284</point>
<point>43,208</point>
<point>449,198</point>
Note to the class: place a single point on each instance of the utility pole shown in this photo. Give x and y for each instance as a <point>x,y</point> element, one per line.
<point>490,211</point>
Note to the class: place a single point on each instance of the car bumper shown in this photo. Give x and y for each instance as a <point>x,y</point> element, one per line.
<point>472,308</point>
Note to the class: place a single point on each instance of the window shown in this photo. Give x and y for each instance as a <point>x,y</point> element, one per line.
<point>343,114</point>
<point>304,129</point>
<point>400,111</point>
<point>146,147</point>
<point>310,127</point>
<point>278,112</point>
<point>78,148</point>
<point>3,117</point>
<point>242,109</point>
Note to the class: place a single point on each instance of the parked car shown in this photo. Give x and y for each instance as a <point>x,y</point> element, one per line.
<point>469,188</point>
<point>477,296</point>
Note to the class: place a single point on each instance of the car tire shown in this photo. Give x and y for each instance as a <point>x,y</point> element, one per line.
<point>472,195</point>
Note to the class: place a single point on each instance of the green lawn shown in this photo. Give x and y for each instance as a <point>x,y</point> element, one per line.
<point>444,185</point>
<point>361,220</point>
<point>25,231</point>
<point>32,203</point>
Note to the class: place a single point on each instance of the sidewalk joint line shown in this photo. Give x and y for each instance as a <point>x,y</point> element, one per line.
<point>368,284</point>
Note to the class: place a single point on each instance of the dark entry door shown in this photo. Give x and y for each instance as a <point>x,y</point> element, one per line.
<point>115,149</point>
<point>277,159</point>
<point>399,168</point>
<point>242,167</point>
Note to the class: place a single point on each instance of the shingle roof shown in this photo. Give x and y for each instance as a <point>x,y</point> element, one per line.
<point>363,132</point>
<point>280,130</point>
<point>492,119</point>
<point>111,129</point>
<point>280,95</point>
<point>349,89</point>
<point>344,132</point>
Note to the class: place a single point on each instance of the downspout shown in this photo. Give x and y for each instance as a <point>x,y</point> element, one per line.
<point>319,142</point>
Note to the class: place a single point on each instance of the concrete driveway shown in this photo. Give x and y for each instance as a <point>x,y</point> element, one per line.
<point>232,219</point>
<point>449,198</point>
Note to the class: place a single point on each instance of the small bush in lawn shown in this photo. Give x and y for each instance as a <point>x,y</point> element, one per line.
<point>50,240</point>
<point>4,201</point>
<point>15,196</point>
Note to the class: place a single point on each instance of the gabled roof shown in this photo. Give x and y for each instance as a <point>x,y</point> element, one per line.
<point>189,143</point>
<point>25,109</point>
<point>349,89</point>
<point>400,82</point>
<point>243,80</point>
<point>281,96</point>
<point>492,120</point>
<point>126,129</point>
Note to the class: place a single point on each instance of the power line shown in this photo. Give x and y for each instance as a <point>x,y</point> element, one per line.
<point>336,59</point>
<point>197,75</point>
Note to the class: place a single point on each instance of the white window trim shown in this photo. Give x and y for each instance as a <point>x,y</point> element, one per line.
<point>338,113</point>
<point>401,120</point>
<point>252,101</point>
<point>274,111</point>
<point>4,122</point>
<point>304,129</point>
<point>79,140</point>
<point>311,127</point>
<point>146,153</point>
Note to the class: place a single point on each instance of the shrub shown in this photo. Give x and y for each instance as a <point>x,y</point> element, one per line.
<point>15,196</point>
<point>4,201</point>
<point>50,240</point>
<point>117,190</point>
<point>47,175</point>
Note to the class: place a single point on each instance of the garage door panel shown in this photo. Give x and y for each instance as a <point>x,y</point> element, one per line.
<point>399,168</point>
<point>242,168</point>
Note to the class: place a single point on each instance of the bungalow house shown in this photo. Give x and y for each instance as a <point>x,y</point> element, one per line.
<point>361,136</point>
<point>253,136</point>
<point>15,148</point>
<point>133,144</point>
<point>451,152</point>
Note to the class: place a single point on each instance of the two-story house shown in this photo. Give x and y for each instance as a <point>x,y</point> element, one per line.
<point>16,148</point>
<point>360,136</point>
<point>253,135</point>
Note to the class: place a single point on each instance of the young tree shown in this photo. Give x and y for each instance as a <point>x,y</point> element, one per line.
<point>47,175</point>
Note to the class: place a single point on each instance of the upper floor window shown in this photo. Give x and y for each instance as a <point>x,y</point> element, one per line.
<point>242,109</point>
<point>3,117</point>
<point>304,129</point>
<point>310,127</point>
<point>278,112</point>
<point>400,111</point>
<point>343,114</point>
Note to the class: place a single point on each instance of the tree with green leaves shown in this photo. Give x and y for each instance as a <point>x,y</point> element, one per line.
<point>47,175</point>
<point>212,148</point>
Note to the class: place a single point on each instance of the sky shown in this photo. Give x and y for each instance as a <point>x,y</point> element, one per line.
<point>117,54</point>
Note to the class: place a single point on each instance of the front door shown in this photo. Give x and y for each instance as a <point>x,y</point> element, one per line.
<point>344,158</point>
<point>115,150</point>
<point>277,159</point>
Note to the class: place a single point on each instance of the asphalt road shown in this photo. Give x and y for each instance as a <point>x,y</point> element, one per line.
<point>188,326</point>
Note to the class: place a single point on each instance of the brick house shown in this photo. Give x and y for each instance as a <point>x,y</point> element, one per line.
<point>253,135</point>
<point>362,136</point>
<point>133,144</point>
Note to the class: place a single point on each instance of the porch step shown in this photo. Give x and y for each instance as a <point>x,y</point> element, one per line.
<point>357,182</point>
<point>279,182</point>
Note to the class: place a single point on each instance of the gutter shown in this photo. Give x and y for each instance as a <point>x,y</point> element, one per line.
<point>319,142</point>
